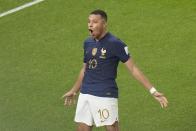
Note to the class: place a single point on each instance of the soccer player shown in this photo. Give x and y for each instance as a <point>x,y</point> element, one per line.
<point>98,99</point>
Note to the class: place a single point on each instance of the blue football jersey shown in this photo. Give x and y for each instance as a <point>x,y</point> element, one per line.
<point>102,58</point>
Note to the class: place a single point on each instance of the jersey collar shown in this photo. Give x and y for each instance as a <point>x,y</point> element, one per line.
<point>105,36</point>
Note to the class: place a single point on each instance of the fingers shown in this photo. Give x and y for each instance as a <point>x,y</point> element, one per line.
<point>163,101</point>
<point>69,101</point>
<point>163,104</point>
<point>69,98</point>
<point>161,98</point>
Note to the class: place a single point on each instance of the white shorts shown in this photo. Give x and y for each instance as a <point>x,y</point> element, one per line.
<point>100,111</point>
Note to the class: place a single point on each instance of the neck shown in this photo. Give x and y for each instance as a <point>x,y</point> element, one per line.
<point>101,36</point>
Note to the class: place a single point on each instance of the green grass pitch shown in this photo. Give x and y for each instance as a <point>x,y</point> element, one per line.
<point>41,55</point>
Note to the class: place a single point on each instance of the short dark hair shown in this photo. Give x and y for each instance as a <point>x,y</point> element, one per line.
<point>101,13</point>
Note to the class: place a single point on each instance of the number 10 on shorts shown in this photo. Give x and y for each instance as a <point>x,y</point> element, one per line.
<point>103,114</point>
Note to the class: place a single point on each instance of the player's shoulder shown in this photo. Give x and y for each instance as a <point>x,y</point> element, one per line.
<point>115,40</point>
<point>88,41</point>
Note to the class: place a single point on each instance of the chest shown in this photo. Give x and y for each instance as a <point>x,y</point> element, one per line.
<point>99,51</point>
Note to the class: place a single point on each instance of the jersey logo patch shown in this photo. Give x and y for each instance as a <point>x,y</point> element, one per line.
<point>126,50</point>
<point>94,51</point>
<point>103,53</point>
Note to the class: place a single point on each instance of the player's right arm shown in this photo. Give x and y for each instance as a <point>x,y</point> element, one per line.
<point>70,95</point>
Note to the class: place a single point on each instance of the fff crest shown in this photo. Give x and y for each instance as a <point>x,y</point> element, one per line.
<point>103,53</point>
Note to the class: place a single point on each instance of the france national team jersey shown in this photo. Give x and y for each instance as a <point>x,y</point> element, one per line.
<point>102,58</point>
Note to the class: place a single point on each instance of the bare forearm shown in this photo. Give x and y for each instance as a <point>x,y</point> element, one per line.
<point>77,84</point>
<point>138,75</point>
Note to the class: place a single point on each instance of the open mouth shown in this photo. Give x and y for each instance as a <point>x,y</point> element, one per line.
<point>90,30</point>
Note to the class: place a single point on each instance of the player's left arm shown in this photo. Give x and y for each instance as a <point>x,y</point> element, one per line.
<point>138,75</point>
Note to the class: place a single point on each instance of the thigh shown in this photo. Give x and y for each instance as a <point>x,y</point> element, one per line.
<point>113,127</point>
<point>83,127</point>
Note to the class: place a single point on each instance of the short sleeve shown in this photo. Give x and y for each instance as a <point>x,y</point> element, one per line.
<point>122,51</point>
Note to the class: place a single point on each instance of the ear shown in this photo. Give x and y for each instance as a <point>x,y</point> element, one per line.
<point>105,24</point>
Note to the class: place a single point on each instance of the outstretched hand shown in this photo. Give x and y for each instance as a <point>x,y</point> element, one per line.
<point>161,99</point>
<point>70,98</point>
